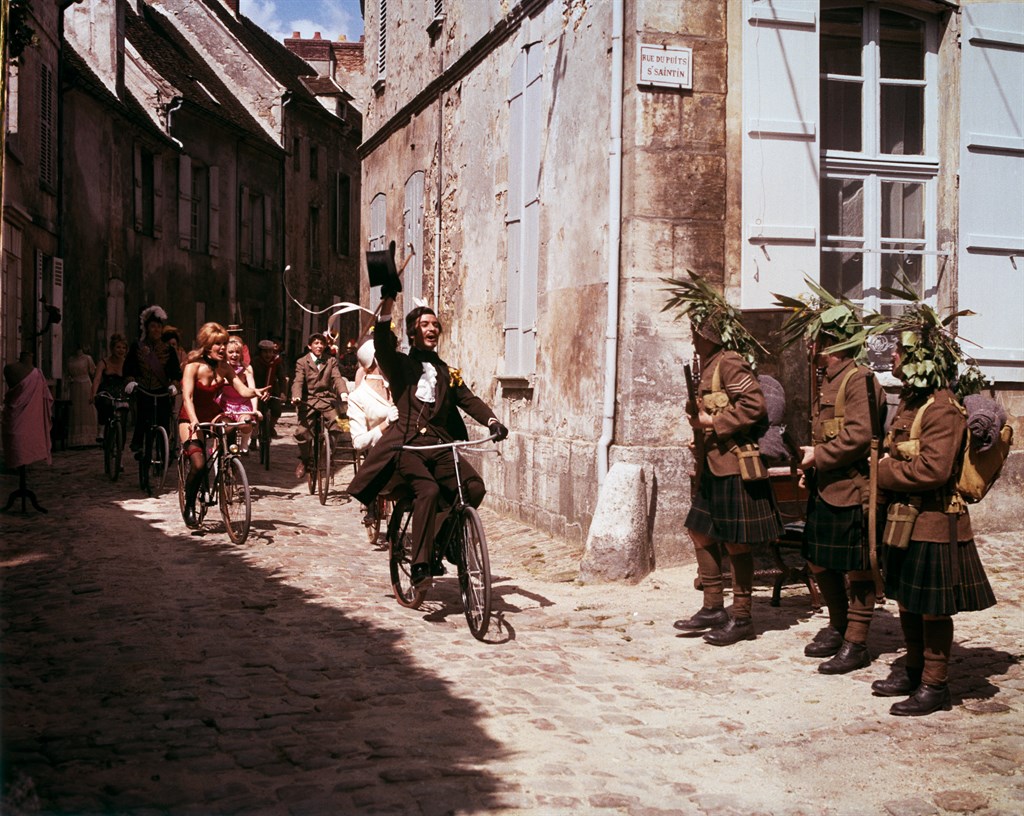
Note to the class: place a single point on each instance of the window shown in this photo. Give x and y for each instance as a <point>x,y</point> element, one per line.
<point>412,231</point>
<point>314,237</point>
<point>259,227</point>
<point>522,222</point>
<point>254,233</point>
<point>314,162</point>
<point>878,152</point>
<point>47,128</point>
<point>199,214</point>
<point>342,214</point>
<point>11,111</point>
<point>378,236</point>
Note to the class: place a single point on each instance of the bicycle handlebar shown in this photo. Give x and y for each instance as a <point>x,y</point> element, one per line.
<point>220,425</point>
<point>140,390</point>
<point>466,444</point>
<point>112,397</point>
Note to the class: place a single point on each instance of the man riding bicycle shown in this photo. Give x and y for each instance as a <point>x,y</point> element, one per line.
<point>318,385</point>
<point>428,394</point>
<point>152,364</point>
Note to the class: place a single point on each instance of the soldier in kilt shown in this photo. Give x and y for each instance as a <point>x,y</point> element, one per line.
<point>836,471</point>
<point>727,512</point>
<point>939,573</point>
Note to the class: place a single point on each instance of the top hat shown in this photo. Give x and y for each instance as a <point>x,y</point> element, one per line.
<point>380,266</point>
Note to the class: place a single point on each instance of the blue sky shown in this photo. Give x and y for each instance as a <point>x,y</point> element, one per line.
<point>280,18</point>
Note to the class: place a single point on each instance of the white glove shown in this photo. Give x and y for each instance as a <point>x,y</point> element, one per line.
<point>172,391</point>
<point>393,414</point>
<point>130,387</point>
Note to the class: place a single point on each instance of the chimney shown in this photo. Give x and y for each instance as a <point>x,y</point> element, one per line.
<point>316,35</point>
<point>96,30</point>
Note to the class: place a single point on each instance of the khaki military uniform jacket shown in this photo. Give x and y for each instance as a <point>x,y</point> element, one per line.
<point>841,456</point>
<point>735,422</point>
<point>929,474</point>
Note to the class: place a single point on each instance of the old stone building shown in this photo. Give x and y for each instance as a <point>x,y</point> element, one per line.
<point>550,162</point>
<point>210,181</point>
<point>32,252</point>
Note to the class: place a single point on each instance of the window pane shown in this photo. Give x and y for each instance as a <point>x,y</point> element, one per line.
<point>842,273</point>
<point>842,208</point>
<point>841,41</point>
<point>902,46</point>
<point>902,210</point>
<point>902,120</point>
<point>902,270</point>
<point>840,115</point>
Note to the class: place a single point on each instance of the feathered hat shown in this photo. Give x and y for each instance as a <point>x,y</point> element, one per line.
<point>711,315</point>
<point>147,315</point>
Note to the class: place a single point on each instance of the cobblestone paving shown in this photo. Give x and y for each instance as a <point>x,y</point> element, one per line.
<point>150,671</point>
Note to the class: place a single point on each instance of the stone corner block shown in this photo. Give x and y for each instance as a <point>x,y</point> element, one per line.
<point>618,545</point>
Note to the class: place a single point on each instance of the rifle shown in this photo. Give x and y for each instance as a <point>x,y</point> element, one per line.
<point>698,433</point>
<point>876,443</point>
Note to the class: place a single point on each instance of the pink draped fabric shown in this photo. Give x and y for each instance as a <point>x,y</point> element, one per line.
<point>28,409</point>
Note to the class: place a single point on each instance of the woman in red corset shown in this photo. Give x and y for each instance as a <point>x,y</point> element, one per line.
<point>206,373</point>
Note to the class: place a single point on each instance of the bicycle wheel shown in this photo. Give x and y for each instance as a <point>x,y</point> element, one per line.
<point>184,469</point>
<point>313,469</point>
<point>159,455</point>
<point>113,448</point>
<point>235,504</point>
<point>373,526</point>
<point>324,466</point>
<point>399,543</point>
<point>474,573</point>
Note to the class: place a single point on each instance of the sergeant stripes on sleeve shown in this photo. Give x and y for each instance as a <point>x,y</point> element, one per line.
<point>743,384</point>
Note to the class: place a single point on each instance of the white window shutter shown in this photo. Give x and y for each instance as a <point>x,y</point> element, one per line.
<point>214,240</point>
<point>991,243</point>
<point>244,227</point>
<point>158,196</point>
<point>780,205</point>
<point>56,329</point>
<point>412,279</point>
<point>268,235</point>
<point>184,202</point>
<point>514,216</point>
<point>137,186</point>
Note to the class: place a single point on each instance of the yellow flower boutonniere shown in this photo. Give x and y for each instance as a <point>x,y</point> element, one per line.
<point>454,377</point>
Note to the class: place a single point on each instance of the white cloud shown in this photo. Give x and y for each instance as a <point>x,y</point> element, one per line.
<point>280,18</point>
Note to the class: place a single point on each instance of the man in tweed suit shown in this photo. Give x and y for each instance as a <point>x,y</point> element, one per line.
<point>837,475</point>
<point>428,394</point>
<point>318,383</point>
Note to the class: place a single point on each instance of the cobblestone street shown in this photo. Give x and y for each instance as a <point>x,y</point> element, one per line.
<point>147,670</point>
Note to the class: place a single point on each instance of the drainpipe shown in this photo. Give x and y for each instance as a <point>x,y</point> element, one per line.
<point>440,185</point>
<point>175,104</point>
<point>611,343</point>
<point>286,99</point>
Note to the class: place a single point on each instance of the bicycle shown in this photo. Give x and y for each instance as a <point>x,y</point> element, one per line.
<point>319,474</point>
<point>383,507</point>
<point>155,454</point>
<point>264,432</point>
<point>224,482</point>
<point>462,542</point>
<point>114,433</point>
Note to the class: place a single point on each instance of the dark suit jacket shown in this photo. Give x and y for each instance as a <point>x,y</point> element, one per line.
<point>432,422</point>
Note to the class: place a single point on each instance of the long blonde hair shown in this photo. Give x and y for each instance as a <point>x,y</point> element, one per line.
<point>209,335</point>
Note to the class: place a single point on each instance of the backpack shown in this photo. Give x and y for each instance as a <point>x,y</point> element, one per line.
<point>979,470</point>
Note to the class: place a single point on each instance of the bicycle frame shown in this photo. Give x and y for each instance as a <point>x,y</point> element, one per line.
<point>461,500</point>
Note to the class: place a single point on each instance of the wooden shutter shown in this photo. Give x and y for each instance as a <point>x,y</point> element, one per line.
<point>214,184</point>
<point>780,203</point>
<point>514,216</point>
<point>412,280</point>
<point>382,41</point>
<point>991,244</point>
<point>158,195</point>
<point>244,227</point>
<point>184,202</point>
<point>268,234</point>
<point>57,329</point>
<point>137,186</point>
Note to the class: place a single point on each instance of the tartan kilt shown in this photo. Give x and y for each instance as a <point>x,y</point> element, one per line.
<point>920,578</point>
<point>728,509</point>
<point>835,537</point>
